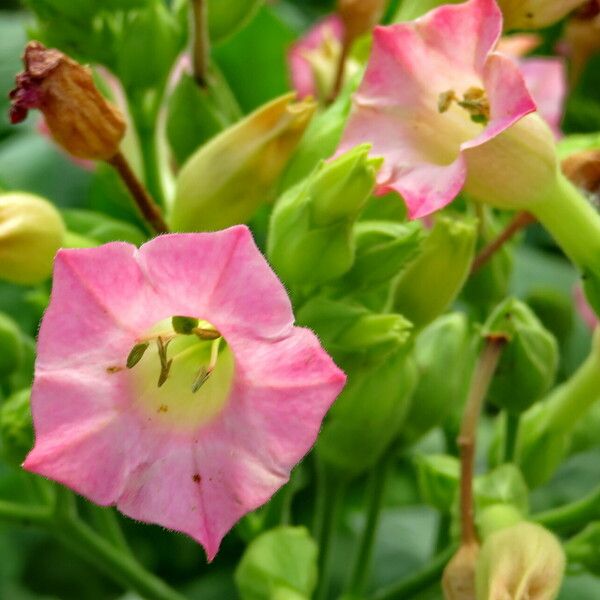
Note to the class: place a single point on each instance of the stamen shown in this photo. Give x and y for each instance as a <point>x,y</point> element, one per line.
<point>136,354</point>
<point>205,333</point>
<point>165,365</point>
<point>474,101</point>
<point>205,371</point>
<point>445,100</point>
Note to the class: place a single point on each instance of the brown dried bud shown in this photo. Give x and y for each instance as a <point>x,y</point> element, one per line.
<point>458,581</point>
<point>582,38</point>
<point>78,116</point>
<point>360,16</point>
<point>583,169</point>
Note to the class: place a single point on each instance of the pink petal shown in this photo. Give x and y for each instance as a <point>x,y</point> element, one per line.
<point>300,69</point>
<point>547,83</point>
<point>518,44</point>
<point>584,309</point>
<point>222,273</point>
<point>464,33</point>
<point>508,95</point>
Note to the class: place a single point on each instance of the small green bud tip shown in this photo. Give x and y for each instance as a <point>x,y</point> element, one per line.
<point>136,354</point>
<point>184,325</point>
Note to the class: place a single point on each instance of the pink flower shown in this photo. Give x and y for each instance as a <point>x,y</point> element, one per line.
<point>447,112</point>
<point>199,428</point>
<point>314,54</point>
<point>584,309</point>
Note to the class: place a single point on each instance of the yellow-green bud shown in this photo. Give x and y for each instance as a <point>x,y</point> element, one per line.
<point>458,581</point>
<point>31,232</point>
<point>519,562</point>
<point>227,179</point>
<point>433,280</point>
<point>534,14</point>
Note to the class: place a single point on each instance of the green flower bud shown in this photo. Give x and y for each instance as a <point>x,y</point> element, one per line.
<point>382,249</point>
<point>368,414</point>
<point>280,564</point>
<point>319,142</point>
<point>437,477</point>
<point>522,561</point>
<point>489,285</point>
<point>431,282</point>
<point>497,517</point>
<point>554,309</point>
<point>349,330</point>
<point>226,180</point>
<point>529,360</point>
<point>545,430</point>
<point>311,237</point>
<point>31,232</point>
<point>444,356</point>
<point>584,548</point>
<point>156,27</point>
<point>16,428</point>
<point>11,346</point>
<point>225,17</point>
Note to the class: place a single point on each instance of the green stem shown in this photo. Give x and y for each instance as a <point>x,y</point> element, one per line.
<point>107,523</point>
<point>362,563</point>
<point>419,582</point>
<point>574,223</point>
<point>510,436</point>
<point>443,531</point>
<point>573,516</point>
<point>24,515</point>
<point>330,493</point>
<point>201,42</point>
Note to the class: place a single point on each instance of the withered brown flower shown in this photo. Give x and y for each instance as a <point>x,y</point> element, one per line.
<point>79,118</point>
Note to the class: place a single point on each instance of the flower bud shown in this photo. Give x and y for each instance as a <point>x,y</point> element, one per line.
<point>311,238</point>
<point>497,517</point>
<point>16,427</point>
<point>458,581</point>
<point>529,360</point>
<point>349,330</point>
<point>357,433</point>
<point>360,16</point>
<point>535,14</point>
<point>554,309</point>
<point>226,18</point>
<point>31,232</point>
<point>382,249</point>
<point>437,479</point>
<point>11,346</point>
<point>226,180</point>
<point>279,564</point>
<point>433,280</point>
<point>444,356</point>
<point>583,169</point>
<point>582,38</point>
<point>522,561</point>
<point>78,117</point>
<point>546,428</point>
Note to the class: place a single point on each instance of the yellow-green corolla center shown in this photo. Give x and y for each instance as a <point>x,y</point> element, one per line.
<point>181,380</point>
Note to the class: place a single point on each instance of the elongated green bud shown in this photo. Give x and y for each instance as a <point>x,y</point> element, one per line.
<point>311,238</point>
<point>433,280</point>
<point>546,428</point>
<point>445,356</point>
<point>529,360</point>
<point>31,232</point>
<point>521,561</point>
<point>382,249</point>
<point>226,180</point>
<point>358,431</point>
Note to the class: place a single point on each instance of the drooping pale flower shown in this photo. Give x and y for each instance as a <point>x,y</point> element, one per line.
<point>171,382</point>
<point>447,111</point>
<point>313,59</point>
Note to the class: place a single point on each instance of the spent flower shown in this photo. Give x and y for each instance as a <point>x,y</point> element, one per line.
<point>186,422</point>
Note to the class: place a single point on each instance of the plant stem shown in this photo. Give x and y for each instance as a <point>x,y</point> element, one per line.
<point>24,515</point>
<point>510,436</point>
<point>201,42</point>
<point>482,377</point>
<point>362,563</point>
<point>519,222</point>
<point>330,492</point>
<point>106,521</point>
<point>419,582</point>
<point>146,205</point>
<point>573,516</point>
<point>574,223</point>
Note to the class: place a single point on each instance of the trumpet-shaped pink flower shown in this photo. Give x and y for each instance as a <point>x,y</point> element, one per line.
<point>318,50</point>
<point>446,111</point>
<point>188,426</point>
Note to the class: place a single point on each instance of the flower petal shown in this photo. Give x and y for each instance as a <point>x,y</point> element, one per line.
<point>222,273</point>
